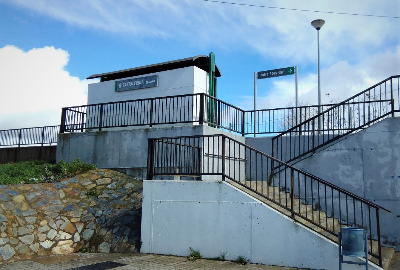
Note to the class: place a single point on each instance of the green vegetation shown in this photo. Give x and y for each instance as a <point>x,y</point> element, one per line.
<point>194,254</point>
<point>92,193</point>
<point>30,172</point>
<point>242,260</point>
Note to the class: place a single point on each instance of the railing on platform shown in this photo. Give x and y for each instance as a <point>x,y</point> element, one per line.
<point>29,136</point>
<point>274,121</point>
<point>181,109</point>
<point>305,196</point>
<point>352,115</point>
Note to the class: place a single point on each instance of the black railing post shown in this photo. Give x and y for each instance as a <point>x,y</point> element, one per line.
<point>19,137</point>
<point>243,122</point>
<point>223,157</point>
<point>201,113</point>
<point>378,228</point>
<point>292,192</point>
<point>150,160</point>
<point>63,120</point>
<point>101,117</point>
<point>218,116</point>
<point>151,113</point>
<point>41,144</point>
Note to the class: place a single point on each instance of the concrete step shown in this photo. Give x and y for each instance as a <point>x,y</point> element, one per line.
<point>277,194</point>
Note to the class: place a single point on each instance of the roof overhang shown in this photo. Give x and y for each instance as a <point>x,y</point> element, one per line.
<point>200,61</point>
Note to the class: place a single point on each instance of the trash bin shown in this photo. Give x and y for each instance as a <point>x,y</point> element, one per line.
<point>353,243</point>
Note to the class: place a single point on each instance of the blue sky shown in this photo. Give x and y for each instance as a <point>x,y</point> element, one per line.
<point>48,48</point>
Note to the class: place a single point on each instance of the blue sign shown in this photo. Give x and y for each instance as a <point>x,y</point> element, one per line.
<point>136,83</point>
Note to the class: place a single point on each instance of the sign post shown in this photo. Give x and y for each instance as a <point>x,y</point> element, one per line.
<point>270,74</point>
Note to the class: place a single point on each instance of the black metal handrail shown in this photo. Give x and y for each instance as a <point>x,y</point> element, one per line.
<point>46,135</point>
<point>277,120</point>
<point>180,109</point>
<point>352,115</point>
<point>304,196</point>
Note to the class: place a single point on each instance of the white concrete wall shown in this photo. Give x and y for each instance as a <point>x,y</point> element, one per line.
<point>366,163</point>
<point>123,148</point>
<point>216,218</point>
<point>188,80</point>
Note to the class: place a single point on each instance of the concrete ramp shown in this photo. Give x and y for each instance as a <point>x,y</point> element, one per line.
<point>218,219</point>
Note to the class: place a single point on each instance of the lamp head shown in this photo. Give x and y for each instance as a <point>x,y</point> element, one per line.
<point>317,24</point>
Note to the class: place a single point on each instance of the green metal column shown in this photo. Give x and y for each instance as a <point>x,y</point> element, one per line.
<point>212,90</point>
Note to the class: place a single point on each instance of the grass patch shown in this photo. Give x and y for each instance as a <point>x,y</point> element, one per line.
<point>241,260</point>
<point>194,254</point>
<point>30,172</point>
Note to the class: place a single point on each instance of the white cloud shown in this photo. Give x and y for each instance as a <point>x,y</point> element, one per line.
<point>272,33</point>
<point>338,82</point>
<point>35,86</point>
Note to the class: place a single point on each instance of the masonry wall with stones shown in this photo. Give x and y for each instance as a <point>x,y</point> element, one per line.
<point>98,211</point>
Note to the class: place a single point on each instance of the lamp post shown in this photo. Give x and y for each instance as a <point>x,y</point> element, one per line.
<point>317,24</point>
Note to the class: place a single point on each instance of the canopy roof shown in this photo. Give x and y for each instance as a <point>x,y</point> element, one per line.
<point>200,61</point>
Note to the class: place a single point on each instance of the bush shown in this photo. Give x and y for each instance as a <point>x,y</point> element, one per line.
<point>39,171</point>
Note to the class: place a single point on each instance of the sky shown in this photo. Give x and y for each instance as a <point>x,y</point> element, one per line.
<point>48,48</point>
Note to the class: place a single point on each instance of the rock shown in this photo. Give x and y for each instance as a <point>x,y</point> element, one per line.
<point>8,206</point>
<point>90,186</point>
<point>62,194</point>
<point>42,237</point>
<point>51,234</point>
<point>64,235</point>
<point>3,218</point>
<point>22,249</point>
<point>79,226</point>
<point>63,247</point>
<point>7,252</point>
<point>47,244</point>
<point>4,197</point>
<point>27,239</point>
<point>43,222</point>
<point>87,234</point>
<point>88,217</point>
<point>70,228</point>
<point>77,237</point>
<point>29,212</point>
<point>13,241</point>
<point>44,228</point>
<point>41,203</point>
<point>34,247</point>
<point>23,231</point>
<point>31,220</point>
<point>4,241</point>
<point>19,198</point>
<point>104,181</point>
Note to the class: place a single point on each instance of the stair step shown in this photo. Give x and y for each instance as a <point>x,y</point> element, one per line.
<point>278,195</point>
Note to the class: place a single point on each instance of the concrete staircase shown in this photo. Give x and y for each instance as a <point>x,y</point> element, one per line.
<point>277,199</point>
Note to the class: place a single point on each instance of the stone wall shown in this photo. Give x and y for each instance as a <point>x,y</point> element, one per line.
<point>98,211</point>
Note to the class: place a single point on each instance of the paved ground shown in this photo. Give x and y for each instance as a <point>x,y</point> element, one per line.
<point>96,261</point>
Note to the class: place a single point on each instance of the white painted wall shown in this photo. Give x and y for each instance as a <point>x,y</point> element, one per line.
<point>366,163</point>
<point>188,80</point>
<point>216,218</point>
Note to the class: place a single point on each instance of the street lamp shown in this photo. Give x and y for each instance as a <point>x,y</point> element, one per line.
<point>317,24</point>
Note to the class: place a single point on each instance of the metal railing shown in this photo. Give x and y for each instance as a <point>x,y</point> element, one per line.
<point>352,115</point>
<point>277,120</point>
<point>29,136</point>
<point>303,195</point>
<point>181,109</point>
